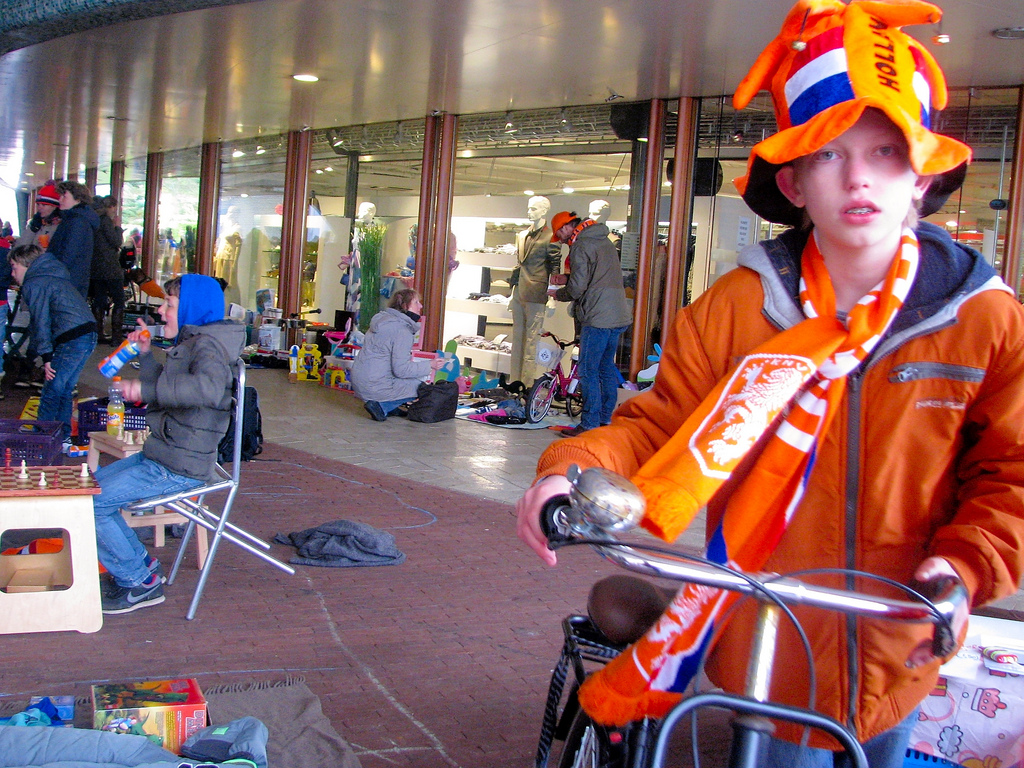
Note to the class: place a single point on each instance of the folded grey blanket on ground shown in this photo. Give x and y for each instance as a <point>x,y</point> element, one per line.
<point>342,544</point>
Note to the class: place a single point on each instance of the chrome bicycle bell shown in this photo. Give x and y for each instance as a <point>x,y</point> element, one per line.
<point>605,500</point>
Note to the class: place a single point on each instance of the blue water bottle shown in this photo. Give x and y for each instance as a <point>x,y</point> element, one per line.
<point>112,363</point>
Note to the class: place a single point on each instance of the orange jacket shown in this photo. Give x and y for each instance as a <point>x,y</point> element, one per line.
<point>925,458</point>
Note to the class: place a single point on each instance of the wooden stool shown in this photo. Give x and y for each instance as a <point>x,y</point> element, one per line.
<point>102,442</point>
<point>58,591</point>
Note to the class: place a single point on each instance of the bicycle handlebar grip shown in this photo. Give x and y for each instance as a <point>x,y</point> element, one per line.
<point>948,593</point>
<point>549,520</point>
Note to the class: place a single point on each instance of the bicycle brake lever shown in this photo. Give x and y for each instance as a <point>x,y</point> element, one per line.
<point>947,593</point>
<point>553,520</point>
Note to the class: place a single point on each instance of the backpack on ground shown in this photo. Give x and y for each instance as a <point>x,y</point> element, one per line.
<point>252,430</point>
<point>435,402</point>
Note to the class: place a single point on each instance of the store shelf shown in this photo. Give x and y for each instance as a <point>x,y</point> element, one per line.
<point>484,359</point>
<point>492,260</point>
<point>486,308</point>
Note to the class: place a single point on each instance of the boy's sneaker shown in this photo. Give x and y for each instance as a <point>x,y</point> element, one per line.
<point>154,567</point>
<point>118,599</point>
<point>376,412</point>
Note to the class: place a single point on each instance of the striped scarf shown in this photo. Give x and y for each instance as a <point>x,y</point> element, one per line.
<point>746,452</point>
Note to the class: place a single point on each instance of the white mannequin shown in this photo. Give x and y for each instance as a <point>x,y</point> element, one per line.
<point>529,296</point>
<point>537,211</point>
<point>599,211</point>
<point>365,214</point>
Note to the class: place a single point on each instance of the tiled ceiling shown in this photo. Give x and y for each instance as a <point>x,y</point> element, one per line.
<point>174,81</point>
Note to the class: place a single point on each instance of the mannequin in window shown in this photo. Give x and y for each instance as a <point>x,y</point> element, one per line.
<point>352,277</point>
<point>229,244</point>
<point>536,259</point>
<point>599,211</point>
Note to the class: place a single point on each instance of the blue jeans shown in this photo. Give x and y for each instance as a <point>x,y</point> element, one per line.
<point>4,308</point>
<point>390,406</point>
<point>886,750</point>
<point>599,378</point>
<point>69,358</point>
<point>122,483</point>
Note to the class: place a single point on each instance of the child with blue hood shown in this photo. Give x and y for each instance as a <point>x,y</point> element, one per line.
<point>189,398</point>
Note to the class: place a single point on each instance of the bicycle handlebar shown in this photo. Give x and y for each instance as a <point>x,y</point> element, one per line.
<point>561,527</point>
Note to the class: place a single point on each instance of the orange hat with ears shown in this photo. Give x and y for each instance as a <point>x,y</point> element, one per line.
<point>829,63</point>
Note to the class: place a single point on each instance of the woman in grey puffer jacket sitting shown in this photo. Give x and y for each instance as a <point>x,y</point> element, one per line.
<point>384,374</point>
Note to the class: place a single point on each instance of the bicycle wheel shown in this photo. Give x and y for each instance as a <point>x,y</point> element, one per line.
<point>574,404</point>
<point>587,746</point>
<point>538,402</point>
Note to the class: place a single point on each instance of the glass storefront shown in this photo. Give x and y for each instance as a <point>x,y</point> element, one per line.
<point>178,215</point>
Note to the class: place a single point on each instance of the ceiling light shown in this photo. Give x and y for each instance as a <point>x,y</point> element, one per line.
<point>317,171</point>
<point>238,153</point>
<point>528,192</point>
<point>951,223</point>
<point>940,39</point>
<point>260,150</point>
<point>40,162</point>
<point>328,168</point>
<point>1009,33</point>
<point>244,194</point>
<point>509,126</point>
<point>305,78</point>
<point>568,190</point>
<point>30,174</point>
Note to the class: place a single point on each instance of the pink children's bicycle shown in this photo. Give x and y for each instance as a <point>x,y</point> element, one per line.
<point>556,386</point>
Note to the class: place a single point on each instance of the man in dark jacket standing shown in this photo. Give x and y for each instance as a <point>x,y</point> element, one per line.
<point>62,328</point>
<point>107,275</point>
<point>595,285</point>
<point>72,243</point>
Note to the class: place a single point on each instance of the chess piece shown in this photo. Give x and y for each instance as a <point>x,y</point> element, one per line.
<point>42,479</point>
<point>23,475</point>
<point>84,478</point>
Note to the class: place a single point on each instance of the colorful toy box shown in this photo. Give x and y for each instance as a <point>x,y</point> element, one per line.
<point>164,711</point>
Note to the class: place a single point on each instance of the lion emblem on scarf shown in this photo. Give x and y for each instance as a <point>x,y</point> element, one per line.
<point>758,390</point>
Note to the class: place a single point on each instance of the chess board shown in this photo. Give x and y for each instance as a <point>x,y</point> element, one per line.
<point>59,481</point>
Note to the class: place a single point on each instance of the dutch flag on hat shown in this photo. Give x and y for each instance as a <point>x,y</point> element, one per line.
<point>819,77</point>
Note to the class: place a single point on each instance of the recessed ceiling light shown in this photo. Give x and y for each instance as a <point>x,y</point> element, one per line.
<point>1009,33</point>
<point>318,171</point>
<point>40,162</point>
<point>305,78</point>
<point>244,194</point>
<point>527,191</point>
<point>328,168</point>
<point>260,150</point>
<point>238,153</point>
<point>568,190</point>
<point>30,174</point>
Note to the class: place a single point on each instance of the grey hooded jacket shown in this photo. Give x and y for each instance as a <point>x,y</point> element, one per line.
<point>384,369</point>
<point>189,397</point>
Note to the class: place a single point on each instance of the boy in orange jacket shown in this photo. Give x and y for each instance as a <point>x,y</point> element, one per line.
<point>854,390</point>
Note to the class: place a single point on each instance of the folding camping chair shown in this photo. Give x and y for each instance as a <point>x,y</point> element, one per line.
<point>192,505</point>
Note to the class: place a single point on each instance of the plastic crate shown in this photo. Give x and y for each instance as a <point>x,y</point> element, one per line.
<point>915,759</point>
<point>37,443</point>
<point>92,416</point>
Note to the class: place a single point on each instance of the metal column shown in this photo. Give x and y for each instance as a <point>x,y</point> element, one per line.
<point>437,264</point>
<point>151,211</point>
<point>648,235</point>
<point>293,223</point>
<point>209,194</point>
<point>1013,248</point>
<point>680,211</point>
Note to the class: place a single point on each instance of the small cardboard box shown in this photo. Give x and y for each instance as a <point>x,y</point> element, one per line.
<point>165,711</point>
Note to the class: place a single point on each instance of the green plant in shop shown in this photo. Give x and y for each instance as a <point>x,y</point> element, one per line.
<point>371,249</point>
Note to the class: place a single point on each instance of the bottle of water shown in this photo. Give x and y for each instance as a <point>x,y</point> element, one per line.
<point>115,408</point>
<point>112,363</point>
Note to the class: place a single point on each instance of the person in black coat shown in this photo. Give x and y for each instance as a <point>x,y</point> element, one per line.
<point>72,243</point>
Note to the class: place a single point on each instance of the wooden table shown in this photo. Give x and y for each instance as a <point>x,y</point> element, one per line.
<point>58,591</point>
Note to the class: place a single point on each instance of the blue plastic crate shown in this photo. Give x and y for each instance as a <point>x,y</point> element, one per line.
<point>915,759</point>
<point>37,443</point>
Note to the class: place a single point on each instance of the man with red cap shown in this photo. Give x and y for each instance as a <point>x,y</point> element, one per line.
<point>44,221</point>
<point>849,398</point>
<point>594,285</point>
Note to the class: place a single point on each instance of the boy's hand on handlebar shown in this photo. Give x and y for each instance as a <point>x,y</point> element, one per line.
<point>934,569</point>
<point>528,514</point>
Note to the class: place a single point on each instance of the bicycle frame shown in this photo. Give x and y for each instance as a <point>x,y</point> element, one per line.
<point>563,522</point>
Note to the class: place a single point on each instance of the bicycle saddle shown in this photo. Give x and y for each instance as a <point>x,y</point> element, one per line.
<point>624,607</point>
